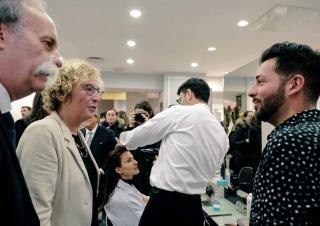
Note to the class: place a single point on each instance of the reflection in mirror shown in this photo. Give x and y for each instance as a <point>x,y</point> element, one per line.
<point>243,129</point>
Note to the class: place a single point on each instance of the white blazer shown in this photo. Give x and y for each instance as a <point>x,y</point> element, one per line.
<point>125,206</point>
<point>56,176</point>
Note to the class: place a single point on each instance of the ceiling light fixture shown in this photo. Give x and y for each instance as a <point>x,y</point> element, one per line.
<point>135,13</point>
<point>211,49</point>
<point>225,73</point>
<point>243,23</point>
<point>130,61</point>
<point>194,64</point>
<point>131,43</point>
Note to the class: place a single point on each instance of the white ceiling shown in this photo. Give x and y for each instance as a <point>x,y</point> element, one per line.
<point>171,34</point>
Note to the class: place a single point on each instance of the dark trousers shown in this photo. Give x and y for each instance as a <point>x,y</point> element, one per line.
<point>172,208</point>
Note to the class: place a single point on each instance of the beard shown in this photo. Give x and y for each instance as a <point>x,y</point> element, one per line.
<point>270,106</point>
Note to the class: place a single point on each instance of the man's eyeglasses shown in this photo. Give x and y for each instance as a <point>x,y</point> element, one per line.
<point>90,89</point>
<point>179,100</point>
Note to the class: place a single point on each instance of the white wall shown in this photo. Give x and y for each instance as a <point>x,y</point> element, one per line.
<point>130,82</point>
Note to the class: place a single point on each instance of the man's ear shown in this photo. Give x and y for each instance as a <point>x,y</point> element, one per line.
<point>4,35</point>
<point>189,94</point>
<point>295,84</point>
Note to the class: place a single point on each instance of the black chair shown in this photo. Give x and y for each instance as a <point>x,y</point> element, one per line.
<point>245,178</point>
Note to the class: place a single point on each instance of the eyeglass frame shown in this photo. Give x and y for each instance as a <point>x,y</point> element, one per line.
<point>90,89</point>
<point>179,100</point>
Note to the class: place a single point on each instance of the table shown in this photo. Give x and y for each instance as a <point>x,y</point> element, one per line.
<point>228,214</point>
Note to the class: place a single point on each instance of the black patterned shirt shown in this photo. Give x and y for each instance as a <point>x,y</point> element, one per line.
<point>287,183</point>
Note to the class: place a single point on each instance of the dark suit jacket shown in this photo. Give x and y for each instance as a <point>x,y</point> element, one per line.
<point>16,207</point>
<point>116,128</point>
<point>103,142</point>
<point>20,126</point>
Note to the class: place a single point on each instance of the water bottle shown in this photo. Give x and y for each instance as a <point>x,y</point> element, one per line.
<point>218,193</point>
<point>249,200</point>
<point>216,202</point>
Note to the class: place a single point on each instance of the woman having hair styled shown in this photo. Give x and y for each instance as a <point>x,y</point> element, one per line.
<point>123,203</point>
<point>60,171</point>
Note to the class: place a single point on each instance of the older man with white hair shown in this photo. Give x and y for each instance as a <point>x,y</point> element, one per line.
<point>28,56</point>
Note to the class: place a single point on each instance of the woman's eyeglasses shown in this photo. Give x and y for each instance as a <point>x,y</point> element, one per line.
<point>90,89</point>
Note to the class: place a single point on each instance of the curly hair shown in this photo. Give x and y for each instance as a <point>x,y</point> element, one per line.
<point>73,72</point>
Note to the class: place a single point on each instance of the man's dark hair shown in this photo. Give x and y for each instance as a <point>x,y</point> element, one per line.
<point>291,59</point>
<point>198,86</point>
<point>245,114</point>
<point>103,115</point>
<point>29,108</point>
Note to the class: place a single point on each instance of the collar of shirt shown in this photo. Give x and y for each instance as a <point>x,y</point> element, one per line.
<point>312,115</point>
<point>92,131</point>
<point>123,185</point>
<point>5,103</point>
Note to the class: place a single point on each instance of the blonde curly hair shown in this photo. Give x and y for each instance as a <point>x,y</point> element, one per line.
<point>73,72</point>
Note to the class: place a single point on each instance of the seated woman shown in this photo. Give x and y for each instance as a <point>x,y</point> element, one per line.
<point>123,203</point>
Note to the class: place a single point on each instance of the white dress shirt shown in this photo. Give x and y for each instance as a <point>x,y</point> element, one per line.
<point>125,206</point>
<point>5,103</point>
<point>92,131</point>
<point>192,149</point>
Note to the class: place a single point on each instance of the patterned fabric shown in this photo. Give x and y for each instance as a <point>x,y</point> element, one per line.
<point>287,183</point>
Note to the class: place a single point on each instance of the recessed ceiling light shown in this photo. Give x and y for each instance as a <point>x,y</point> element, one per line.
<point>211,49</point>
<point>243,23</point>
<point>225,73</point>
<point>194,64</point>
<point>131,43</point>
<point>135,13</point>
<point>130,61</point>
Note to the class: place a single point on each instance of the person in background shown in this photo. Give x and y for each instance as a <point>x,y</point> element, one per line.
<point>102,117</point>
<point>28,56</point>
<point>286,186</point>
<point>112,122</point>
<point>37,113</point>
<point>142,113</point>
<point>20,125</point>
<point>60,171</point>
<point>100,139</point>
<point>122,115</point>
<point>123,203</point>
<point>101,142</point>
<point>192,149</point>
<point>25,111</point>
<point>239,143</point>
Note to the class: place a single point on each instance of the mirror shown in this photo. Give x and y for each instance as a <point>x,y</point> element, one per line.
<point>243,130</point>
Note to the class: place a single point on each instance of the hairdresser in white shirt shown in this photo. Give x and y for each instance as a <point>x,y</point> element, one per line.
<point>192,149</point>
<point>123,203</point>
